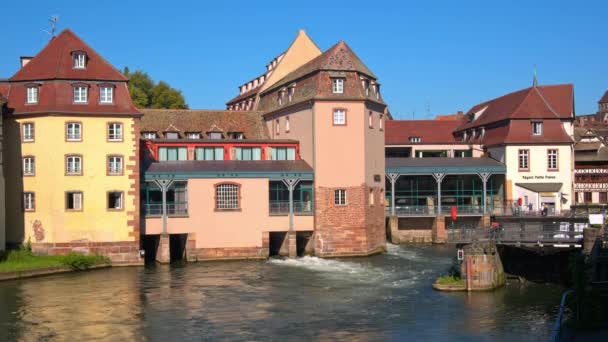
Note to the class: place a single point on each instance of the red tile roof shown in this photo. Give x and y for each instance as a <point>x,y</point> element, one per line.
<point>54,61</point>
<point>398,132</point>
<point>541,102</point>
<point>450,117</point>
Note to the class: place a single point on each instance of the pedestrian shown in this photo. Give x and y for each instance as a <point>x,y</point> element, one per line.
<point>530,207</point>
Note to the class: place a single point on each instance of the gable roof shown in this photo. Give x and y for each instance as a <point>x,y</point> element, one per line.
<point>187,120</point>
<point>54,61</point>
<point>539,102</point>
<point>339,57</point>
<point>398,132</point>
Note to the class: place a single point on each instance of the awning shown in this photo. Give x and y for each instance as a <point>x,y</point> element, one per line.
<point>541,187</point>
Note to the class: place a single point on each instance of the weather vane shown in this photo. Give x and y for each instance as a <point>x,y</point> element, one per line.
<point>54,19</point>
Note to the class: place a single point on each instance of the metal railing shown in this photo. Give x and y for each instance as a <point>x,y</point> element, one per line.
<point>520,233</point>
<point>299,207</point>
<point>430,210</point>
<point>557,328</point>
<point>173,209</point>
<point>465,209</point>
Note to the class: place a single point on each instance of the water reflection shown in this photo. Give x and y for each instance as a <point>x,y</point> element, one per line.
<point>385,297</point>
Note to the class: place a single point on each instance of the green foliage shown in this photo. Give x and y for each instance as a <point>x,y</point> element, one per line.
<point>24,260</point>
<point>146,94</point>
<point>450,280</point>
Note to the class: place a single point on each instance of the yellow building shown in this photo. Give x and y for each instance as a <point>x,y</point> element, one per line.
<point>71,138</point>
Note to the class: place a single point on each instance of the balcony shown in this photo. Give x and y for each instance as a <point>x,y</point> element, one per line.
<point>156,209</point>
<point>281,208</point>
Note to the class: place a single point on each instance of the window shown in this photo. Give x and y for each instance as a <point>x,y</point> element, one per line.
<point>337,85</point>
<point>281,95</point>
<point>464,136</point>
<point>32,95</point>
<point>115,200</point>
<point>603,197</point>
<point>370,119</point>
<point>73,165</point>
<point>588,197</point>
<point>149,135</point>
<point>340,197</point>
<point>193,135</point>
<point>339,117</point>
<point>371,197</point>
<point>277,126</point>
<point>287,127</point>
<point>114,131</point>
<point>248,153</point>
<point>215,135</point>
<point>524,160</point>
<point>106,94</point>
<point>283,153</point>
<point>290,93</point>
<point>80,59</point>
<point>29,166</point>
<point>80,94</point>
<point>171,135</point>
<point>73,131</point>
<point>381,122</point>
<point>237,135</point>
<point>537,128</point>
<point>226,196</point>
<point>176,197</point>
<point>415,139</point>
<point>29,201</point>
<point>172,153</point>
<point>115,165</point>
<point>28,131</point>
<point>209,153</point>
<point>552,159</point>
<point>73,200</point>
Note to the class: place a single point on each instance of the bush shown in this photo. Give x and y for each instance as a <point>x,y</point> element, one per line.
<point>450,280</point>
<point>82,262</point>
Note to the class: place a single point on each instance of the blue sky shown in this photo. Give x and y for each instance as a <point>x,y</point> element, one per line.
<point>446,55</point>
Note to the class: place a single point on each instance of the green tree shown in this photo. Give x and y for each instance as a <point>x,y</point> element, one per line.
<point>163,96</point>
<point>146,94</point>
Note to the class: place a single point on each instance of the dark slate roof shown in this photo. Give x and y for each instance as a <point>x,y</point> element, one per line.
<point>228,168</point>
<point>187,120</point>
<point>541,187</point>
<point>454,165</point>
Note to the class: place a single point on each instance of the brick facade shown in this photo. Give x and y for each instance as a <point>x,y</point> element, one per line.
<point>350,230</point>
<point>120,253</point>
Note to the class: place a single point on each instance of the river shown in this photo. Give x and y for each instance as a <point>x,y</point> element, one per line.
<point>384,297</point>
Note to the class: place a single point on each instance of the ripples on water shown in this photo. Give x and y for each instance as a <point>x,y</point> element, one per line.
<point>384,297</point>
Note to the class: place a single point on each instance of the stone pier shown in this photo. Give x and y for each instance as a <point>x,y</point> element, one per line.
<point>163,252</point>
<point>482,268</point>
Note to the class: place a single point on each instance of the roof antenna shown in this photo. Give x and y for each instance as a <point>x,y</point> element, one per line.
<point>428,107</point>
<point>535,80</point>
<point>54,19</point>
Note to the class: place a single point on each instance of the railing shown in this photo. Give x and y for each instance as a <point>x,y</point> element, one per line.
<point>299,208</point>
<point>520,233</point>
<point>557,329</point>
<point>431,210</point>
<point>521,211</point>
<point>173,209</point>
<point>465,209</point>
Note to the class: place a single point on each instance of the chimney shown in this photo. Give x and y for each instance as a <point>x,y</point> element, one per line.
<point>24,60</point>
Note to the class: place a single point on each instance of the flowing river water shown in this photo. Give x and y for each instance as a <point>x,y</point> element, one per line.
<point>384,297</point>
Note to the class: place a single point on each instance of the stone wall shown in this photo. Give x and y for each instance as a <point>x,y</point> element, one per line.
<point>486,271</point>
<point>119,253</point>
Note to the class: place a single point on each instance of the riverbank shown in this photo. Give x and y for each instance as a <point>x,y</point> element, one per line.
<point>23,263</point>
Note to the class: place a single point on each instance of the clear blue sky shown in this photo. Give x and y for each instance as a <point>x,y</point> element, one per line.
<point>450,54</point>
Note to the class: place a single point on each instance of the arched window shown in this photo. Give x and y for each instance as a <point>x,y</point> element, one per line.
<point>227,196</point>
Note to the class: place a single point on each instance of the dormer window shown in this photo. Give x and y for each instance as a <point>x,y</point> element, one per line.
<point>193,135</point>
<point>482,132</point>
<point>32,94</point>
<point>106,94</point>
<point>377,90</point>
<point>537,128</point>
<point>81,94</point>
<point>237,135</point>
<point>290,91</point>
<point>337,85</point>
<point>281,95</point>
<point>171,135</point>
<point>215,135</point>
<point>79,59</point>
<point>464,136</point>
<point>415,139</point>
<point>149,135</point>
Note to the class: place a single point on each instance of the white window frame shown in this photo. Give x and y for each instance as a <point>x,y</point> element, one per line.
<point>415,139</point>
<point>537,128</point>
<point>149,135</point>
<point>340,197</point>
<point>32,95</point>
<point>552,158</point>
<point>337,85</point>
<point>81,94</point>
<point>193,135</point>
<point>115,165</point>
<point>115,131</point>
<point>73,135</point>
<point>29,166</point>
<point>77,203</point>
<point>29,133</point>
<point>80,60</point>
<point>73,165</point>
<point>29,201</point>
<point>106,94</point>
<point>227,196</point>
<point>523,157</point>
<point>339,117</point>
